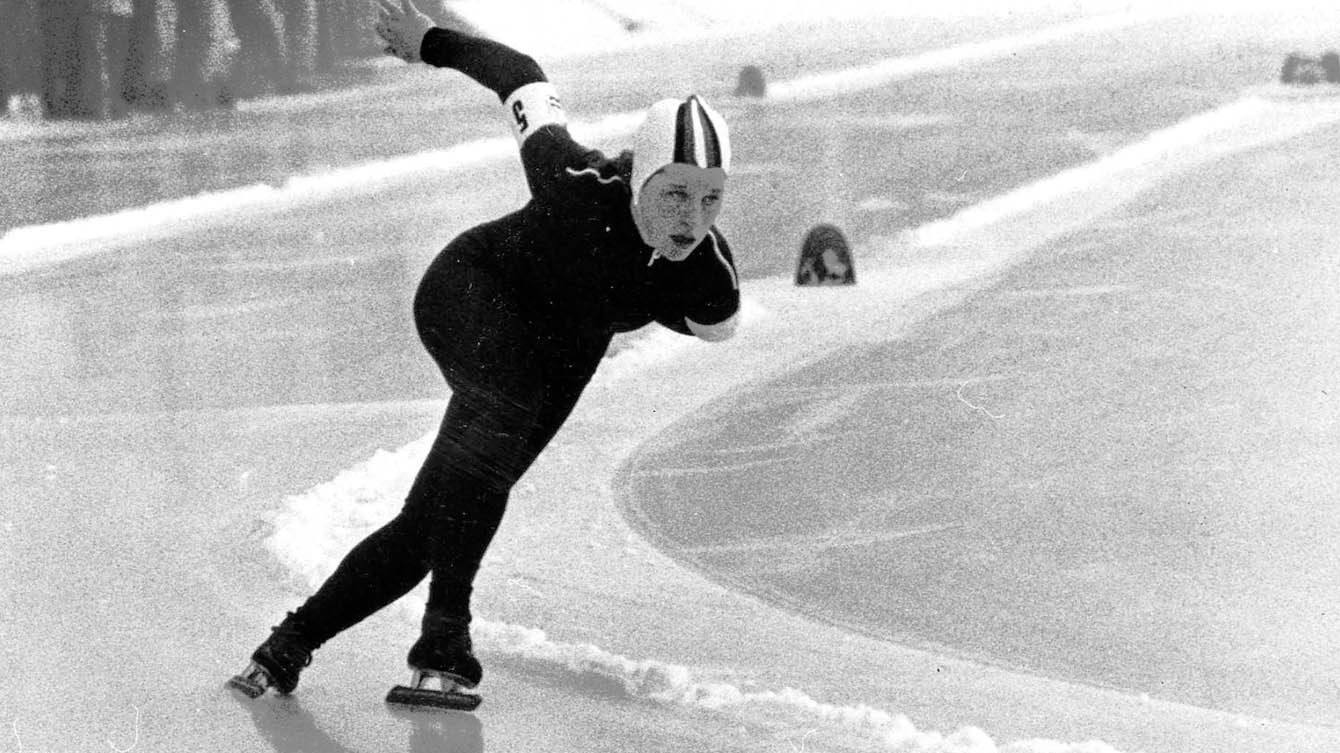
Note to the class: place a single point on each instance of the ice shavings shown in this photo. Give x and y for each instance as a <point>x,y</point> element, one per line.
<point>675,684</point>
<point>313,530</point>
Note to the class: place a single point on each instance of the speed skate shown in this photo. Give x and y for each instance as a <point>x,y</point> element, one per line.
<point>253,682</point>
<point>450,692</point>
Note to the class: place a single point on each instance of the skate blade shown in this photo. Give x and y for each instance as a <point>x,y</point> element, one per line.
<point>252,683</point>
<point>453,700</point>
<point>448,696</point>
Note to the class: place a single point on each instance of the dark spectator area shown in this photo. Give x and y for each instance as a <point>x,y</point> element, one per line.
<point>98,59</point>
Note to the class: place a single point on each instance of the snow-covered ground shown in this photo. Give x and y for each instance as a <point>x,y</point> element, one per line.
<point>168,509</point>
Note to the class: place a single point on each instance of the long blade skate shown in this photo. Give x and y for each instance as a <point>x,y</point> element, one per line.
<point>451,693</point>
<point>253,682</point>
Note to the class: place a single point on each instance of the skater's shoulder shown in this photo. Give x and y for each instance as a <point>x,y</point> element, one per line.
<point>560,170</point>
<point>597,170</point>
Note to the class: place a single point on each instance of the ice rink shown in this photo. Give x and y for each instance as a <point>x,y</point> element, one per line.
<point>1055,475</point>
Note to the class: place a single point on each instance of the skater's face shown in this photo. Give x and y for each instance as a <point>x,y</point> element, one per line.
<point>676,207</point>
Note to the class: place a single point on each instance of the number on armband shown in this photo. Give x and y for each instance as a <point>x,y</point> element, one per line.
<point>519,112</point>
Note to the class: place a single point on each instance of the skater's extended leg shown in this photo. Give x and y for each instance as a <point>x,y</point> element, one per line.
<point>449,518</point>
<point>381,568</point>
<point>466,522</point>
<point>277,662</point>
<point>453,509</point>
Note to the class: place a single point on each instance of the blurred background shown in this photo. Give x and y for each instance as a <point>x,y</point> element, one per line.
<point>106,59</point>
<point>98,59</point>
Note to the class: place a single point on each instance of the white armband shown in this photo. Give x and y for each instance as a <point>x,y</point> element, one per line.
<point>533,106</point>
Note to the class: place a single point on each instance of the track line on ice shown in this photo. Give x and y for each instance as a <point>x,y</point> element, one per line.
<point>812,542</point>
<point>28,247</point>
<point>1088,191</point>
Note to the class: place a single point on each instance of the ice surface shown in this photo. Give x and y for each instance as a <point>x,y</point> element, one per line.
<point>149,531</point>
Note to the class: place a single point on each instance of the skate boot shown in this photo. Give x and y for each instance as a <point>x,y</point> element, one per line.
<point>276,663</point>
<point>442,655</point>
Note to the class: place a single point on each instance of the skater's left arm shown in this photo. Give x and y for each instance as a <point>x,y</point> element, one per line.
<point>707,303</point>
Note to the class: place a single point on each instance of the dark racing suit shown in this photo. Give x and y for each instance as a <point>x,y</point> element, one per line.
<point>517,313</point>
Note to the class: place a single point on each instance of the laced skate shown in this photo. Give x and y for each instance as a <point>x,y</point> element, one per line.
<point>276,663</point>
<point>443,656</point>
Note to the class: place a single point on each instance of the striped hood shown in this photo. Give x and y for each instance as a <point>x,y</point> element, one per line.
<point>687,131</point>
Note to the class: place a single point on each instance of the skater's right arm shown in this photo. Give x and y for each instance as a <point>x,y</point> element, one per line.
<point>548,152</point>
<point>531,101</point>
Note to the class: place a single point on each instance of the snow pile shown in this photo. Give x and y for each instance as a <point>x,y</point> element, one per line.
<point>314,530</point>
<point>674,684</point>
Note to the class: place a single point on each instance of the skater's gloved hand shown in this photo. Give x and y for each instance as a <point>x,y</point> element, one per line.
<point>402,26</point>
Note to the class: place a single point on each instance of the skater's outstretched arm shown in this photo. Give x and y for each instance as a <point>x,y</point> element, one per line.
<point>531,101</point>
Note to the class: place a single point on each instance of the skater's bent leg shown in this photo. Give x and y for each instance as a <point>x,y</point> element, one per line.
<point>460,537</point>
<point>461,492</point>
<point>485,461</point>
<point>514,377</point>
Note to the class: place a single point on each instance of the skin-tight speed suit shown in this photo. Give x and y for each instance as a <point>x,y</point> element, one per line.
<point>518,313</point>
